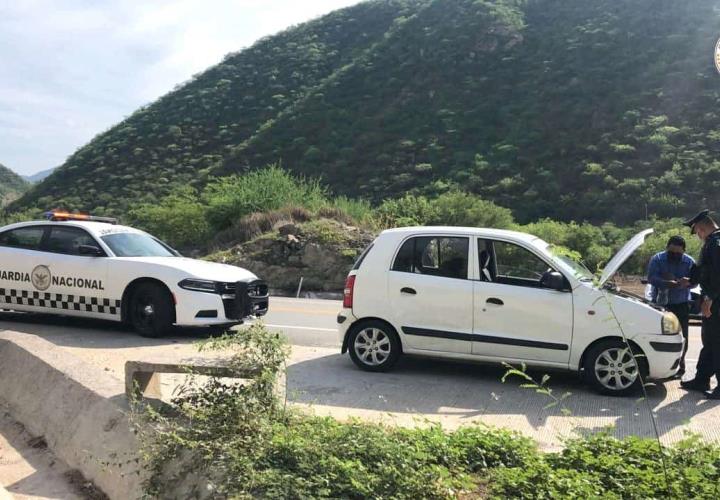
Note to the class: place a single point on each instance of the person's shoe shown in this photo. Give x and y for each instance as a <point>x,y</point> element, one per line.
<point>680,374</point>
<point>695,385</point>
<point>713,394</point>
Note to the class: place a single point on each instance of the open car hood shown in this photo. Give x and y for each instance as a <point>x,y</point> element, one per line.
<point>624,254</point>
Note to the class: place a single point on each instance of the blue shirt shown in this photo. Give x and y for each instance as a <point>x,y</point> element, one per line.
<point>662,269</point>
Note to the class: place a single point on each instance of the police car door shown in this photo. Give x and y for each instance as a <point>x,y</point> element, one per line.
<point>72,276</point>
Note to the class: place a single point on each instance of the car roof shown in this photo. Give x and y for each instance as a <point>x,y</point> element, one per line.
<point>472,231</point>
<point>95,228</point>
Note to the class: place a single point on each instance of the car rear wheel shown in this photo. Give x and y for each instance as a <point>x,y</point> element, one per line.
<point>612,368</point>
<point>374,346</point>
<point>151,310</point>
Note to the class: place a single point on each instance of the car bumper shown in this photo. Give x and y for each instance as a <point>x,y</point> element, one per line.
<point>663,354</point>
<point>345,319</point>
<point>193,308</point>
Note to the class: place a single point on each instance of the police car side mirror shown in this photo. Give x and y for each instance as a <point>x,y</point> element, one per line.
<point>553,280</point>
<point>90,251</point>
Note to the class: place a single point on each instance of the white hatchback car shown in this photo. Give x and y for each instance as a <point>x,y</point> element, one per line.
<point>80,265</point>
<point>502,296</point>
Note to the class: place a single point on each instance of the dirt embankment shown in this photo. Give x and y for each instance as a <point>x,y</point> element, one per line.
<point>321,252</point>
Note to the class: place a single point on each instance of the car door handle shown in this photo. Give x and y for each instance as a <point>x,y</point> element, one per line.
<point>408,290</point>
<point>495,301</point>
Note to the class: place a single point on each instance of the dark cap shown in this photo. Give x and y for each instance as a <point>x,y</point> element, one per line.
<point>701,216</point>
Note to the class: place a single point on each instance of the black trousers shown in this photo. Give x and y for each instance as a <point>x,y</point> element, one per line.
<point>709,360</point>
<point>682,311</point>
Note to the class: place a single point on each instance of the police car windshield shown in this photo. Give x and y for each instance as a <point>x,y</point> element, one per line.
<point>137,245</point>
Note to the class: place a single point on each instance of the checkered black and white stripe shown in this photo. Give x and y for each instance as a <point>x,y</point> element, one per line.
<point>60,301</point>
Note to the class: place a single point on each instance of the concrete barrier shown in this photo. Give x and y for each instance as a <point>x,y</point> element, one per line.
<point>4,495</point>
<point>80,410</point>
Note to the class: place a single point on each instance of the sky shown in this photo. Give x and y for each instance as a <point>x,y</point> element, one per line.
<point>70,69</point>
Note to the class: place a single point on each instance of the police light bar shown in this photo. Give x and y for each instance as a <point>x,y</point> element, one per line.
<point>55,215</point>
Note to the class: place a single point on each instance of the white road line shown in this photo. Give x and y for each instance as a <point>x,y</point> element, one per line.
<point>303,328</point>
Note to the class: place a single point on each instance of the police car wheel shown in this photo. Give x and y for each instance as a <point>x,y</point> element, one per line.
<point>150,310</point>
<point>374,346</point>
<point>612,368</point>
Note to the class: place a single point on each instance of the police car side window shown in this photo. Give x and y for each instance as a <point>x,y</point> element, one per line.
<point>436,256</point>
<point>28,238</point>
<point>67,240</point>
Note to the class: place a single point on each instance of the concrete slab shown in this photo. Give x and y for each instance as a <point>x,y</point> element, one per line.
<point>75,407</point>
<point>28,469</point>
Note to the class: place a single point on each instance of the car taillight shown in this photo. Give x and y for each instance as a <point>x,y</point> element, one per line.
<point>348,292</point>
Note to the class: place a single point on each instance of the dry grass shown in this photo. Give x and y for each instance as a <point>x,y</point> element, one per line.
<point>257,223</point>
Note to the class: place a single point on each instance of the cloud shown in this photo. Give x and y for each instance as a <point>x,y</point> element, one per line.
<point>71,69</point>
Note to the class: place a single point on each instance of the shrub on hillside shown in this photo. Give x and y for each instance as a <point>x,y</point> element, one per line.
<point>358,210</point>
<point>453,208</point>
<point>179,218</point>
<point>410,210</point>
<point>23,216</point>
<point>231,198</point>
<point>458,208</point>
<point>588,240</point>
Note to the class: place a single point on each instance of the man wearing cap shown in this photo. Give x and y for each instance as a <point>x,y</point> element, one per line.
<point>708,276</point>
<point>668,273</point>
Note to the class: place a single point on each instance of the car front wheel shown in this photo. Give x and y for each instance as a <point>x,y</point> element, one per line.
<point>374,346</point>
<point>613,369</point>
<point>151,310</point>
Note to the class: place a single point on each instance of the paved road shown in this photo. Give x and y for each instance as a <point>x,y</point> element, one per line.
<point>417,391</point>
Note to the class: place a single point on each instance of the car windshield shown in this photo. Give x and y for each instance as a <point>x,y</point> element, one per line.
<point>576,268</point>
<point>137,245</point>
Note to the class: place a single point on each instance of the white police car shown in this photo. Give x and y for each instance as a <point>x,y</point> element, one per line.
<point>502,296</point>
<point>80,265</point>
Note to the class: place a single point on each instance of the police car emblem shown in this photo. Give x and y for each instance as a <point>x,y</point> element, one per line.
<point>41,277</point>
<point>717,56</point>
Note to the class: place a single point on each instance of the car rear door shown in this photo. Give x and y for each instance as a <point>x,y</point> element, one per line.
<point>515,317</point>
<point>431,294</point>
<point>19,255</point>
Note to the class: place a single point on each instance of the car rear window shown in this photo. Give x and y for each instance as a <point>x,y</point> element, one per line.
<point>28,238</point>
<point>364,254</point>
<point>434,255</point>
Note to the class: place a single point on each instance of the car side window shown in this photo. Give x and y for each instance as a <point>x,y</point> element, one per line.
<point>28,238</point>
<point>443,256</point>
<point>514,265</point>
<point>67,240</point>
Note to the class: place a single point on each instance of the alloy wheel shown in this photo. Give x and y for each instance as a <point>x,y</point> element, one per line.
<point>372,346</point>
<point>616,368</point>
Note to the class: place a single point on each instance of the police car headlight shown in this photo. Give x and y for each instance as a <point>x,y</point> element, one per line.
<point>198,285</point>
<point>670,324</point>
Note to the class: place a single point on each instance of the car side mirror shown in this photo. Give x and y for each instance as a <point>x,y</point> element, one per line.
<point>553,280</point>
<point>90,250</point>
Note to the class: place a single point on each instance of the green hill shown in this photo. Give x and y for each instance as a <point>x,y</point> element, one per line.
<point>583,109</point>
<point>11,185</point>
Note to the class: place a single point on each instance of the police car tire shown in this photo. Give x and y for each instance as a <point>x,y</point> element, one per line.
<point>387,345</point>
<point>591,375</point>
<point>157,322</point>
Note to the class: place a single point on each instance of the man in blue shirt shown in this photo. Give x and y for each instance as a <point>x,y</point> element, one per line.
<point>669,274</point>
